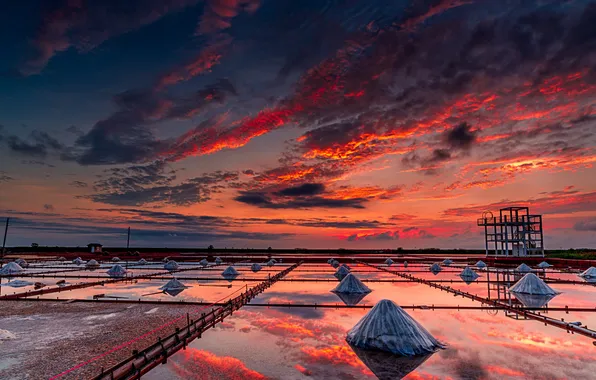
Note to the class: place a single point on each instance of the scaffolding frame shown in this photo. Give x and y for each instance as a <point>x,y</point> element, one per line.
<point>515,232</point>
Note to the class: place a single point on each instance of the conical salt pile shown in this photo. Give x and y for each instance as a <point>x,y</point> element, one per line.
<point>204,262</point>
<point>523,268</point>
<point>341,273</point>
<point>480,264</point>
<point>274,261</point>
<point>544,265</point>
<point>387,327</point>
<point>218,260</point>
<point>405,264</point>
<point>22,263</point>
<point>531,284</point>
<point>142,262</point>
<point>468,274</point>
<point>351,284</point>
<point>77,261</point>
<point>230,271</point>
<point>92,264</point>
<point>171,265</point>
<point>18,283</point>
<point>447,262</point>
<point>116,271</point>
<point>173,284</point>
<point>270,263</point>
<point>11,268</point>
<point>61,258</point>
<point>589,273</point>
<point>435,268</point>
<point>388,262</point>
<point>173,287</point>
<point>255,267</point>
<point>335,264</point>
<point>115,259</point>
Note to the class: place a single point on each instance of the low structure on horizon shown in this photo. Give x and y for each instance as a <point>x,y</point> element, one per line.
<point>515,232</point>
<point>94,247</point>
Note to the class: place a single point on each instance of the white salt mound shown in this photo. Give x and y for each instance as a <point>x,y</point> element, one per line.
<point>218,260</point>
<point>531,284</point>
<point>435,268</point>
<point>142,262</point>
<point>18,283</point>
<point>11,268</point>
<point>270,263</point>
<point>589,273</point>
<point>255,267</point>
<point>341,273</point>
<point>116,271</point>
<point>447,262</point>
<point>468,274</point>
<point>204,262</point>
<point>22,262</point>
<point>171,265</point>
<point>523,268</point>
<point>544,264</point>
<point>77,261</point>
<point>480,264</point>
<point>173,284</point>
<point>387,327</point>
<point>351,284</point>
<point>388,262</point>
<point>115,259</point>
<point>230,271</point>
<point>92,264</point>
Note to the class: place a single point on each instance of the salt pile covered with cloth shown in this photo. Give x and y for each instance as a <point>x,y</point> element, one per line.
<point>387,327</point>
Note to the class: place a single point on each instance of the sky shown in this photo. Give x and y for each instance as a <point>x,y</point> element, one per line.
<point>314,123</point>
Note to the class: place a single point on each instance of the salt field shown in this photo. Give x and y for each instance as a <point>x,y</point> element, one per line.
<point>484,329</point>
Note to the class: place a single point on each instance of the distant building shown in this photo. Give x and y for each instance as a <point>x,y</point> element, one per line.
<point>515,232</point>
<point>94,247</point>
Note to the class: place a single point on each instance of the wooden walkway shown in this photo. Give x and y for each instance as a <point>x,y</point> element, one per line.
<point>143,361</point>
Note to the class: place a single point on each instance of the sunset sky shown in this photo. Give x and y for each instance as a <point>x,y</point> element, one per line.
<point>311,123</point>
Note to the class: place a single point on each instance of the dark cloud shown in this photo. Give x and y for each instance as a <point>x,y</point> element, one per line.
<point>585,225</point>
<point>36,162</point>
<point>306,189</point>
<point>79,184</point>
<point>264,200</point>
<point>460,137</point>
<point>153,184</point>
<point>74,130</point>
<point>38,144</point>
<point>144,233</point>
<point>124,136</point>
<point>387,235</point>
<point>85,25</point>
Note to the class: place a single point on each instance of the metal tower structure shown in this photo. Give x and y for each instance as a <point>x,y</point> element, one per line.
<point>515,232</point>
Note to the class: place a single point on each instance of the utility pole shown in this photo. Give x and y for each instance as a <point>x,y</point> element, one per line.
<point>128,239</point>
<point>4,241</point>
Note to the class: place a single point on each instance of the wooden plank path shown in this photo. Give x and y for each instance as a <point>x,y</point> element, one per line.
<point>522,312</point>
<point>143,361</point>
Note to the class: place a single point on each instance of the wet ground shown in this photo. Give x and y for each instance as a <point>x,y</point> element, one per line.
<point>45,337</point>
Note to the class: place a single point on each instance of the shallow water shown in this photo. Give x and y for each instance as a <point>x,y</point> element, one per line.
<point>259,342</point>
